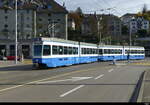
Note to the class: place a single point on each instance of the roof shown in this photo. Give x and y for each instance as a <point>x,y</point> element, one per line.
<point>53,6</point>
<point>128,14</point>
<point>40,5</point>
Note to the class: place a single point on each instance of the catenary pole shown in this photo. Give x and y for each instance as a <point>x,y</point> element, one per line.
<point>16,41</point>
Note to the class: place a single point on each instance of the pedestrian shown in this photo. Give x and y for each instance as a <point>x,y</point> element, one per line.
<point>128,57</point>
<point>114,60</point>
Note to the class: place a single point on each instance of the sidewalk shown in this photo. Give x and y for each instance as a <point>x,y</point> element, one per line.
<point>12,63</point>
<point>144,95</point>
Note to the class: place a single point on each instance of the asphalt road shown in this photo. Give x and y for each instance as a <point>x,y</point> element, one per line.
<point>95,82</point>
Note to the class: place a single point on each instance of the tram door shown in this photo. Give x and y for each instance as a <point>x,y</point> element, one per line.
<point>3,50</point>
<point>26,51</point>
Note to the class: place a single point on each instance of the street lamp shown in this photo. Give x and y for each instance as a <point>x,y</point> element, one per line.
<point>16,41</point>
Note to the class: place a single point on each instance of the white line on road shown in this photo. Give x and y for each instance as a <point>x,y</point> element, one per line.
<point>71,90</point>
<point>99,76</point>
<point>110,70</point>
<point>73,79</point>
<point>13,87</point>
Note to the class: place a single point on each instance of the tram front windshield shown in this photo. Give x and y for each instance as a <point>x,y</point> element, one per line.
<point>37,50</point>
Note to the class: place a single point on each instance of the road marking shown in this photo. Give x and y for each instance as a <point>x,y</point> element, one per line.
<point>58,76</point>
<point>13,87</point>
<point>73,90</point>
<point>110,70</point>
<point>99,76</point>
<point>73,79</point>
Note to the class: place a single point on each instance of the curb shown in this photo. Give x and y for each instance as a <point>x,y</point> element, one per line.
<point>138,90</point>
<point>140,96</point>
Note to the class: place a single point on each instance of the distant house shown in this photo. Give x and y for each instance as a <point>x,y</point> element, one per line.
<point>127,18</point>
<point>135,23</point>
<point>138,24</point>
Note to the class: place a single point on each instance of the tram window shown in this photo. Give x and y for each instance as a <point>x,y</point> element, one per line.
<point>65,50</point>
<point>117,51</point>
<point>82,50</point>
<point>46,50</point>
<point>120,51</point>
<point>100,51</point>
<point>136,51</point>
<point>88,50</point>
<point>70,50</point>
<point>55,52</point>
<point>60,50</point>
<point>140,52</point>
<point>95,51</point>
<point>112,51</point>
<point>109,51</point>
<point>91,52</point>
<point>76,50</point>
<point>85,51</point>
<point>105,51</point>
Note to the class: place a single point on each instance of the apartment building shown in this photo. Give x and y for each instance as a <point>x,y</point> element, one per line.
<point>36,18</point>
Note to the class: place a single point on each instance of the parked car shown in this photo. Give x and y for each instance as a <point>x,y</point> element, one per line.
<point>12,58</point>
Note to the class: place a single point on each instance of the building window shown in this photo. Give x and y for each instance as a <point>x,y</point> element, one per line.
<point>6,17</point>
<point>58,19</point>
<point>28,18</point>
<point>28,26</point>
<point>28,11</point>
<point>49,20</point>
<point>5,25</point>
<point>6,11</point>
<point>40,19</point>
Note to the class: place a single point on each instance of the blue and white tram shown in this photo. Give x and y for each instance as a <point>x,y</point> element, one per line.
<point>88,53</point>
<point>53,52</point>
<point>134,52</point>
<point>109,52</point>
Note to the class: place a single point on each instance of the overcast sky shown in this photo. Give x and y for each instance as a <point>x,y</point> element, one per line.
<point>119,7</point>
